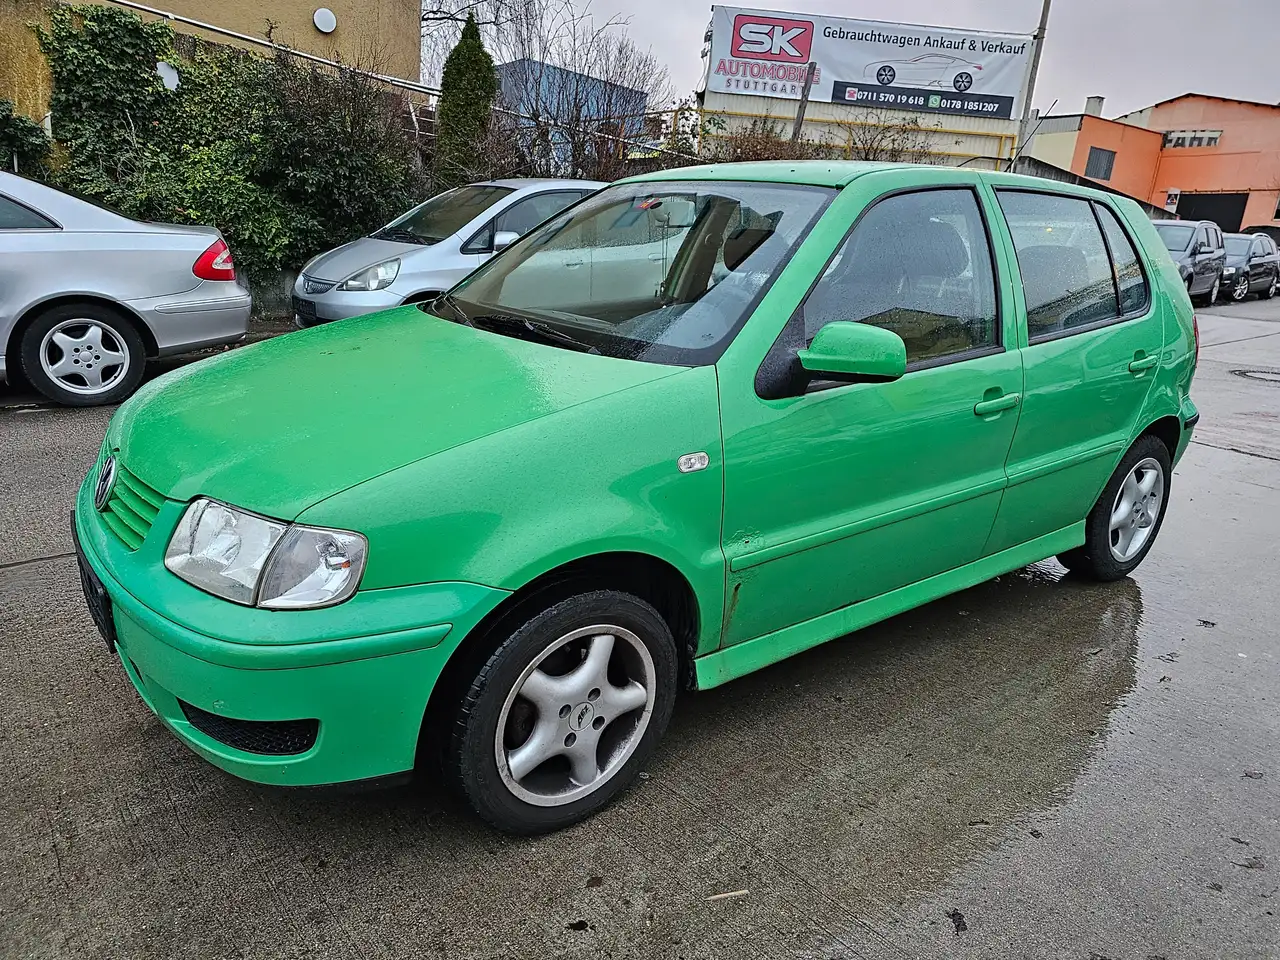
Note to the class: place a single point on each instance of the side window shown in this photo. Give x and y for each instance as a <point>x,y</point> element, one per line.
<point>14,216</point>
<point>1129,278</point>
<point>918,264</point>
<point>1202,237</point>
<point>1259,248</point>
<point>1066,274</point>
<point>528,213</point>
<point>1216,234</point>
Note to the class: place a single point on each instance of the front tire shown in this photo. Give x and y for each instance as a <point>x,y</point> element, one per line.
<point>83,355</point>
<point>564,715</point>
<point>1240,289</point>
<point>1122,526</point>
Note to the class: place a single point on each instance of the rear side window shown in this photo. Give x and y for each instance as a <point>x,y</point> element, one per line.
<point>918,264</point>
<point>14,216</point>
<point>528,213</point>
<point>1066,273</point>
<point>1130,280</point>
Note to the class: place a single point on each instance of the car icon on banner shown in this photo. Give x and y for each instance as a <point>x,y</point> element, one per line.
<point>929,70</point>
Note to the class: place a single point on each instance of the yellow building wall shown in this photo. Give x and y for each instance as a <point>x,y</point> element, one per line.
<point>24,75</point>
<point>383,36</point>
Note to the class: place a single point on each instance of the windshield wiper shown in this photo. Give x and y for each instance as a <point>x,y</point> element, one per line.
<point>522,327</point>
<point>402,236</point>
<point>448,300</point>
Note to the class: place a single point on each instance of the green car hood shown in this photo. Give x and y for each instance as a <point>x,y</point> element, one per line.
<point>278,426</point>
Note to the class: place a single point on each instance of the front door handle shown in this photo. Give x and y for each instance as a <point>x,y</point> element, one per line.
<point>1138,364</point>
<point>1006,401</point>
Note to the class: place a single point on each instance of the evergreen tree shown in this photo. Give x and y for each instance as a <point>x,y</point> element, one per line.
<point>467,91</point>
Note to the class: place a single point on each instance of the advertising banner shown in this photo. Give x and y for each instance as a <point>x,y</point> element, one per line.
<point>868,63</point>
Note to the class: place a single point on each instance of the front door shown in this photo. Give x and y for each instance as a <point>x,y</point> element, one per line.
<point>1094,337</point>
<point>835,493</point>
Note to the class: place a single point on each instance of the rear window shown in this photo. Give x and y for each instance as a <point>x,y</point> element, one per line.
<point>1066,273</point>
<point>14,216</point>
<point>1176,236</point>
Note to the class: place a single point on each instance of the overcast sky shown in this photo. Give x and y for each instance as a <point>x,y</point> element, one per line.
<point>1133,52</point>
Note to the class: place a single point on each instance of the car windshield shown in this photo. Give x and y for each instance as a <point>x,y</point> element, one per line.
<point>665,272</point>
<point>443,215</point>
<point>1176,236</point>
<point>1239,246</point>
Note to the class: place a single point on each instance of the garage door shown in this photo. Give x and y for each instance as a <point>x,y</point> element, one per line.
<point>1224,209</point>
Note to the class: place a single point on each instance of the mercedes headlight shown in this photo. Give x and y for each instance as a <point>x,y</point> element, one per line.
<point>378,277</point>
<point>255,561</point>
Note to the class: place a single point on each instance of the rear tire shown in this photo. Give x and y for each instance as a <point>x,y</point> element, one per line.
<point>1270,292</point>
<point>1210,298</point>
<point>1121,528</point>
<point>83,355</point>
<point>566,753</point>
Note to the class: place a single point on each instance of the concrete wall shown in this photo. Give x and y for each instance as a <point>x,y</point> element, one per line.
<point>1058,149</point>
<point>951,139</point>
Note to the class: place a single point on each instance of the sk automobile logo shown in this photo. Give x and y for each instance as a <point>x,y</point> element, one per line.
<point>106,483</point>
<point>770,38</point>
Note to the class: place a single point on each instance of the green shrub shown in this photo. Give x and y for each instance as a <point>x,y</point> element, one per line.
<point>468,86</point>
<point>287,159</point>
<point>24,145</point>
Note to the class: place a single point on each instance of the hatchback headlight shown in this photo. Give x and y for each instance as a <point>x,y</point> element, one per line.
<point>255,561</point>
<point>378,277</point>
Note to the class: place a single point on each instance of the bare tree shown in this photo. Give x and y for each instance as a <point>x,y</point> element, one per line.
<point>583,93</point>
<point>887,137</point>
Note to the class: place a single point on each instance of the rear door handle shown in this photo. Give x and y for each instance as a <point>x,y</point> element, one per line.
<point>1143,363</point>
<point>1008,401</point>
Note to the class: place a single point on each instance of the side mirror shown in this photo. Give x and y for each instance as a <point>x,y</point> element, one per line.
<point>503,239</point>
<point>855,353</point>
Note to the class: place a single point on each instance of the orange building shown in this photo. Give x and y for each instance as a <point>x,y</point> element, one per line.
<point>1200,156</point>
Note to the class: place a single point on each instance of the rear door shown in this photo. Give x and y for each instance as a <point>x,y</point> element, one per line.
<point>1093,337</point>
<point>1203,260</point>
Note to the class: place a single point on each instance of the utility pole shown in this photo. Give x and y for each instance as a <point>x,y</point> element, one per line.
<point>1037,44</point>
<point>804,99</point>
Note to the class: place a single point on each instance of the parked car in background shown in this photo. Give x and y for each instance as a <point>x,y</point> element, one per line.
<point>425,252</point>
<point>1271,231</point>
<point>87,295</point>
<point>1253,266</point>
<point>1197,248</point>
<point>501,531</point>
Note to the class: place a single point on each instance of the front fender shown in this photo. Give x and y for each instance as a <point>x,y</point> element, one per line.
<point>600,477</point>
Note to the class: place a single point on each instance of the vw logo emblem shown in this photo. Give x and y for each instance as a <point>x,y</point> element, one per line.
<point>106,483</point>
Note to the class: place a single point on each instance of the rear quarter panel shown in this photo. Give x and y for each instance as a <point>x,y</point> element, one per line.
<point>1172,389</point>
<point>39,265</point>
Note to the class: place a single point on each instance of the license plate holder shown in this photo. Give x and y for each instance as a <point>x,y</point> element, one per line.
<point>95,594</point>
<point>304,309</point>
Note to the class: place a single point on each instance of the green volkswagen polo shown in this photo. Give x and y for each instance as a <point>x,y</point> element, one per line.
<point>699,422</point>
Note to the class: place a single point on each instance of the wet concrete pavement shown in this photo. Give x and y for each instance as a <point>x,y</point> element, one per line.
<point>1036,767</point>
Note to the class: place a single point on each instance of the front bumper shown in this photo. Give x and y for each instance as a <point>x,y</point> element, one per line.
<point>364,674</point>
<point>334,304</point>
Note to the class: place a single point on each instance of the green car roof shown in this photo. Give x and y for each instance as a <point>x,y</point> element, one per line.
<point>818,173</point>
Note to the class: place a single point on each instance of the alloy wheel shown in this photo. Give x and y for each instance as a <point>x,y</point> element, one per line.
<point>84,356</point>
<point>1136,509</point>
<point>1241,289</point>
<point>963,81</point>
<point>886,75</point>
<point>575,715</point>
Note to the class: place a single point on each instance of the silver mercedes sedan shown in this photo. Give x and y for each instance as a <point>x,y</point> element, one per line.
<point>423,253</point>
<point>86,296</point>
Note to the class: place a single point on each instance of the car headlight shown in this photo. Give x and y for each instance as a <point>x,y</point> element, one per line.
<point>378,277</point>
<point>1228,271</point>
<point>255,561</point>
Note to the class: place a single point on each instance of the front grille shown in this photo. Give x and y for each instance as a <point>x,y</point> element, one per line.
<point>272,737</point>
<point>132,508</point>
<point>313,286</point>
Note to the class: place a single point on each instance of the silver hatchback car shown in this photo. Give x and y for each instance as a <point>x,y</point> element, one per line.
<point>87,295</point>
<point>425,252</point>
